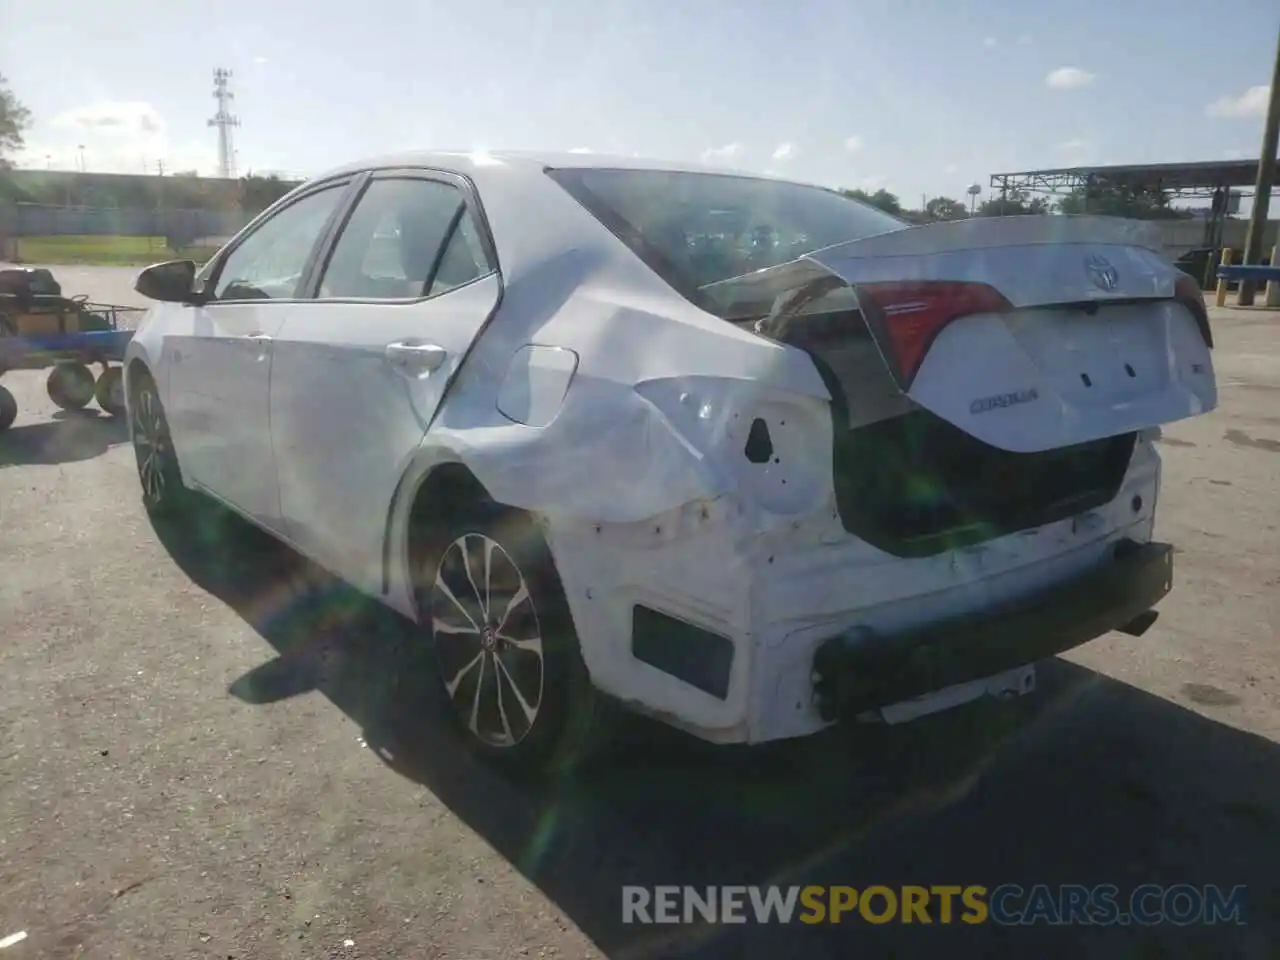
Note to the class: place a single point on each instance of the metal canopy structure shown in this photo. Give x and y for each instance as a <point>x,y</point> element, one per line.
<point>1196,179</point>
<point>1224,182</point>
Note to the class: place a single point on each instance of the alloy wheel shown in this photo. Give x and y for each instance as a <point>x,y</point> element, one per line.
<point>488,640</point>
<point>151,446</point>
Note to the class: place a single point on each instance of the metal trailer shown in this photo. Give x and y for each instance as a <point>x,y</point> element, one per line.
<point>66,334</point>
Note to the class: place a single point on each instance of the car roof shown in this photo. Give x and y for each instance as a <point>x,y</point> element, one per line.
<point>532,220</point>
<point>488,163</point>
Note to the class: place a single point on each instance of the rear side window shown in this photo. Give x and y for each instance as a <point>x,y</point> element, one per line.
<point>406,238</point>
<point>696,229</point>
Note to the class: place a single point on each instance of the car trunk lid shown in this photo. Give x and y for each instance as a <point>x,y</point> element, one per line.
<point>1026,333</point>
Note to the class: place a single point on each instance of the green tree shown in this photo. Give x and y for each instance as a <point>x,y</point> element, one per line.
<point>882,199</point>
<point>259,192</point>
<point>1121,200</point>
<point>14,120</point>
<point>945,208</point>
<point>1014,203</point>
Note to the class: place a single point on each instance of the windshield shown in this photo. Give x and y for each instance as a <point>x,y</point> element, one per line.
<point>695,229</point>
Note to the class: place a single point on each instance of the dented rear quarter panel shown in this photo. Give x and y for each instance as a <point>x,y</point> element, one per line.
<point>640,484</point>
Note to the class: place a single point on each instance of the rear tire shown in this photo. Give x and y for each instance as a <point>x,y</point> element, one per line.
<point>163,492</point>
<point>109,391</point>
<point>70,385</point>
<point>8,409</point>
<point>505,649</point>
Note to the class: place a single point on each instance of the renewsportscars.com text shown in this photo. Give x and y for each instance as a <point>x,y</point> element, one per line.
<point>1007,905</point>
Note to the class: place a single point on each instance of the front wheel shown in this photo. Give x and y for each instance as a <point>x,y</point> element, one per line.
<point>163,492</point>
<point>70,385</point>
<point>506,650</point>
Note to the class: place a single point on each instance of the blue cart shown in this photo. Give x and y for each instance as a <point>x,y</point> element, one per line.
<point>65,335</point>
<point>1260,272</point>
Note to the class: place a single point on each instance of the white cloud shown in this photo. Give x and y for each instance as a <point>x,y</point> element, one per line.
<point>873,183</point>
<point>1024,40</point>
<point>261,60</point>
<point>121,118</point>
<point>1069,78</point>
<point>853,144</point>
<point>950,168</point>
<point>784,151</point>
<point>989,43</point>
<point>1236,154</point>
<point>581,150</point>
<point>1249,105</point>
<point>117,137</point>
<point>721,154</point>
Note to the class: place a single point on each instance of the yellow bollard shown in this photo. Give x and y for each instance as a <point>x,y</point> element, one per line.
<point>1272,297</point>
<point>1221,298</point>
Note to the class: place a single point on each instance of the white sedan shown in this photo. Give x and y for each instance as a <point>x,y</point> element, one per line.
<point>740,453</point>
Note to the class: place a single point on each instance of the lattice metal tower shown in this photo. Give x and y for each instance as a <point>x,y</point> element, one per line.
<point>224,121</point>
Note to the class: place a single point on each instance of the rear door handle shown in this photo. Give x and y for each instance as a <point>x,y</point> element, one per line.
<point>415,359</point>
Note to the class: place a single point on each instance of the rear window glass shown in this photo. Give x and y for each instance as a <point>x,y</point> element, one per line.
<point>695,229</point>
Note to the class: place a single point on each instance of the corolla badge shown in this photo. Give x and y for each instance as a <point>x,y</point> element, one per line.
<point>1101,272</point>
<point>1001,400</point>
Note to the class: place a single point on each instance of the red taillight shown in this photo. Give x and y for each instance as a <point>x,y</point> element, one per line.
<point>1187,292</point>
<point>906,316</point>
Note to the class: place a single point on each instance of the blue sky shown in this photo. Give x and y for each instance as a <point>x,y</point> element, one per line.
<point>920,96</point>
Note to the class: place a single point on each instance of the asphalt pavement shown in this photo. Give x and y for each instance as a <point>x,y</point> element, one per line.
<point>210,750</point>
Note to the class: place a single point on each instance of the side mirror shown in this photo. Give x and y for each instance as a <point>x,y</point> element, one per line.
<point>170,282</point>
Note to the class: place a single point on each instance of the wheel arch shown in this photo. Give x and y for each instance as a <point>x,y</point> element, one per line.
<point>138,361</point>
<point>136,367</point>
<point>436,484</point>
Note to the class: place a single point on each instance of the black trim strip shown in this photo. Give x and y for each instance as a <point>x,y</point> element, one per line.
<point>444,245</point>
<point>870,671</point>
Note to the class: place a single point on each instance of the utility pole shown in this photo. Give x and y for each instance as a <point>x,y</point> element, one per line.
<point>224,121</point>
<point>1266,180</point>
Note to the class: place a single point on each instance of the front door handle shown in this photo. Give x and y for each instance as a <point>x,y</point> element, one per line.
<point>260,343</point>
<point>415,359</point>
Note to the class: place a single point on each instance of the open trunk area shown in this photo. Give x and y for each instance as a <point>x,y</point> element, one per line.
<point>915,485</point>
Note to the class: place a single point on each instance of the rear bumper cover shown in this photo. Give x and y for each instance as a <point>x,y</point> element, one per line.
<point>862,671</point>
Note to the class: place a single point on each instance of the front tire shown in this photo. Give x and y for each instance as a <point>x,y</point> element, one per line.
<point>70,385</point>
<point>506,651</point>
<point>163,493</point>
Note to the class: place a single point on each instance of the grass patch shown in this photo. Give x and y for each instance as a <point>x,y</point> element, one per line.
<point>104,251</point>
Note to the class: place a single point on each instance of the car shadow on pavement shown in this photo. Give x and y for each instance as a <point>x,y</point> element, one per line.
<point>68,437</point>
<point>1090,781</point>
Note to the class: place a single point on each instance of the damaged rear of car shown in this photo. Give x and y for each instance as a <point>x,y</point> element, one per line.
<point>986,475</point>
